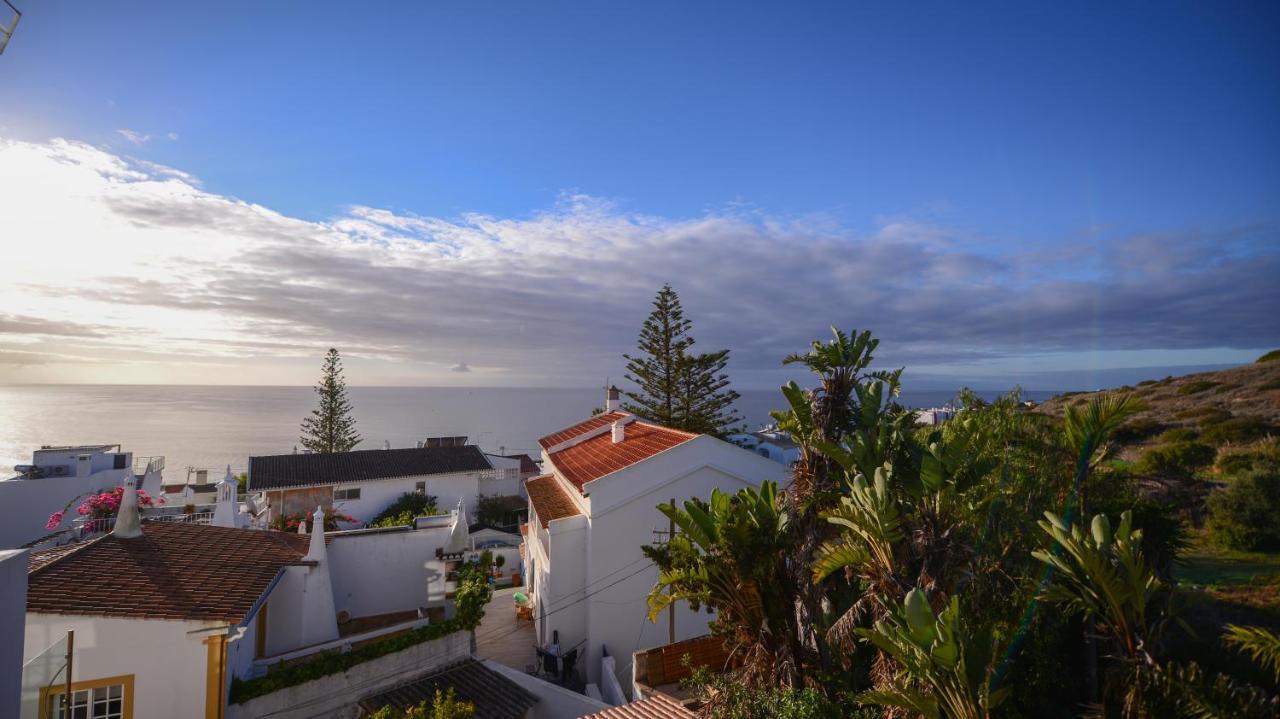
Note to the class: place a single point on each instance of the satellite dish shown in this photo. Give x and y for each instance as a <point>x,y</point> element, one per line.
<point>6,29</point>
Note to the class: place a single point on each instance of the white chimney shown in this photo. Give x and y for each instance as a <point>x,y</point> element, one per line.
<point>84,466</point>
<point>386,444</point>
<point>128,524</point>
<point>226,511</point>
<point>611,399</point>
<point>315,553</point>
<point>302,525</point>
<point>619,432</point>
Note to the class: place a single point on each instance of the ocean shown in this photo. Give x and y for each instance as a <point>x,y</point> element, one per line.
<point>210,427</point>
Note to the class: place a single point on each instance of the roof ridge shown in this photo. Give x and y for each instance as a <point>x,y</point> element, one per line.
<point>655,425</point>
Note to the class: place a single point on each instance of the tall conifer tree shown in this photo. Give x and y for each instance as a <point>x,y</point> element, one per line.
<point>675,387</point>
<point>330,428</point>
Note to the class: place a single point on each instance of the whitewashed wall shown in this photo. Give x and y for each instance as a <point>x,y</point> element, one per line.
<point>13,617</point>
<point>377,495</point>
<point>554,702</point>
<point>168,663</point>
<point>380,572</point>
<point>25,504</point>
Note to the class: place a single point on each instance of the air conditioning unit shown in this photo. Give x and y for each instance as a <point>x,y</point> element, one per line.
<point>59,470</point>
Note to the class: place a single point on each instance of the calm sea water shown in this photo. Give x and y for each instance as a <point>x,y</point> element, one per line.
<point>211,427</point>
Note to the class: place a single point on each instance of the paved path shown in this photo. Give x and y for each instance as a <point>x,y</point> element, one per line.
<point>501,638</point>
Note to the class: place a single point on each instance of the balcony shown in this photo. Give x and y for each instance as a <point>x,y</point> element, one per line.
<point>86,527</point>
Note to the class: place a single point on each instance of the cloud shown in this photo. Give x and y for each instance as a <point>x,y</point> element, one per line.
<point>133,136</point>
<point>165,271</point>
<point>172,136</point>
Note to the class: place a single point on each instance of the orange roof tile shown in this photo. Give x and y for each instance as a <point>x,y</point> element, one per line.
<point>549,500</point>
<point>598,456</point>
<point>173,571</point>
<point>657,706</point>
<point>581,428</point>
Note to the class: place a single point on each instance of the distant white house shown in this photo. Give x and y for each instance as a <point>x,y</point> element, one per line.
<point>590,513</point>
<point>771,442</point>
<point>57,477</point>
<point>365,482</point>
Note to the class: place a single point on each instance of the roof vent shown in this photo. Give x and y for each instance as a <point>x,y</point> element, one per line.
<point>619,432</point>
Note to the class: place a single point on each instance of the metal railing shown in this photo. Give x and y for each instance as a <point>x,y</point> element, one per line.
<point>142,466</point>
<point>89,526</point>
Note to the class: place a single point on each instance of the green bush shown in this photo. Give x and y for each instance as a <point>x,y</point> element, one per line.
<point>1238,460</point>
<point>1244,515</point>
<point>1177,434</point>
<point>403,511</point>
<point>1272,356</point>
<point>1204,413</point>
<point>1135,430</point>
<point>1146,383</point>
<point>1237,430</point>
<point>1196,386</point>
<point>1180,459</point>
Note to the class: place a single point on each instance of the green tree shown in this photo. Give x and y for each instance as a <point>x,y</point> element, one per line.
<point>675,387</point>
<point>330,428</point>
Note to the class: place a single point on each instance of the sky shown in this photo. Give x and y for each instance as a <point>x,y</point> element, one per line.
<point>490,193</point>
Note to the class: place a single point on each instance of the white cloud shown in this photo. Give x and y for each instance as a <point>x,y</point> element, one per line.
<point>125,264</point>
<point>172,136</point>
<point>133,136</point>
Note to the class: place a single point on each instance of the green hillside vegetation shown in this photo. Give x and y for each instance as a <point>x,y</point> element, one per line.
<point>1104,554</point>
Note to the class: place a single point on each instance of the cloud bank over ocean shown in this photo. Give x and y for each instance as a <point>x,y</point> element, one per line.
<point>155,277</point>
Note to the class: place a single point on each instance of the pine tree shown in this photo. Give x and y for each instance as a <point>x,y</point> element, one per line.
<point>705,400</point>
<point>675,387</point>
<point>657,367</point>
<point>330,428</point>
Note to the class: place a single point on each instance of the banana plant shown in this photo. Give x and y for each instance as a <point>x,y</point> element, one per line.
<point>729,556</point>
<point>939,676</point>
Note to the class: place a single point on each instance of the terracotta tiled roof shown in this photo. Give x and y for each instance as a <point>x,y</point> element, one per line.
<point>580,428</point>
<point>36,560</point>
<point>549,500</point>
<point>494,696</point>
<point>174,571</point>
<point>598,456</point>
<point>307,470</point>
<point>657,706</point>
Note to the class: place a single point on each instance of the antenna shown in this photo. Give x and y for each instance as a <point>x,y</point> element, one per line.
<point>6,31</point>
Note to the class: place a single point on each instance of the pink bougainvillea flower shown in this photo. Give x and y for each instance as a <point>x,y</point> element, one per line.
<point>54,520</point>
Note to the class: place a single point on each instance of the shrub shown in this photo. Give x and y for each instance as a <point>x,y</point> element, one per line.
<point>1177,434</point>
<point>1237,460</point>
<point>446,705</point>
<point>1272,384</point>
<point>1237,430</point>
<point>1196,386</point>
<point>1204,413</point>
<point>1146,383</point>
<point>290,522</point>
<point>1272,356</point>
<point>404,510</point>
<point>1243,516</point>
<point>1136,429</point>
<point>1180,459</point>
<point>500,511</point>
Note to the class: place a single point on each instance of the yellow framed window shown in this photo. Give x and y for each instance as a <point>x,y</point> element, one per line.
<point>109,698</point>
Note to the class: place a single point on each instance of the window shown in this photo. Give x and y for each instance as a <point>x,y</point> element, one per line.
<point>101,699</point>
<point>350,493</point>
<point>420,487</point>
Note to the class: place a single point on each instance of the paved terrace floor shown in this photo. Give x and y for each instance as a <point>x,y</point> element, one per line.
<point>501,637</point>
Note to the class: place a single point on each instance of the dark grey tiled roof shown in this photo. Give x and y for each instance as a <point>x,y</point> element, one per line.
<point>495,696</point>
<point>304,470</point>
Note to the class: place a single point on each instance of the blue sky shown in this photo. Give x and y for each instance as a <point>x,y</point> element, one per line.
<point>1020,133</point>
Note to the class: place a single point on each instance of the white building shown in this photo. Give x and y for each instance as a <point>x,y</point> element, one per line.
<point>365,482</point>
<point>593,510</point>
<point>166,613</point>
<point>58,477</point>
<point>770,442</point>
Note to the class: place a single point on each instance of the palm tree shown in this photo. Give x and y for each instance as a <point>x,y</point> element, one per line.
<point>730,556</point>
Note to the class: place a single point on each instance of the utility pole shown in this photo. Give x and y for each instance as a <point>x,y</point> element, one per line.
<point>661,537</point>
<point>66,696</point>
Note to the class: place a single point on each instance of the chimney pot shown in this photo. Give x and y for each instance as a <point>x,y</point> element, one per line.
<point>619,432</point>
